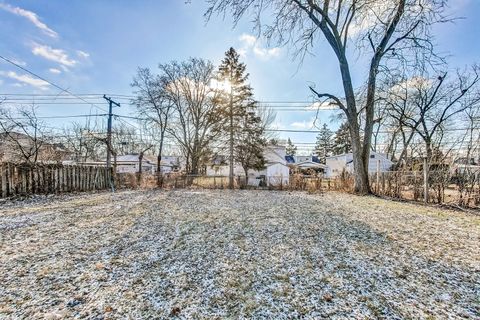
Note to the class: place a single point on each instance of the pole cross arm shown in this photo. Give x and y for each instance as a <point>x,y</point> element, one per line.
<point>111,101</point>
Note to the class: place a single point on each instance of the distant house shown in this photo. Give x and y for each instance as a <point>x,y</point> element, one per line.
<point>305,163</point>
<point>337,164</point>
<point>276,171</point>
<point>170,164</point>
<point>129,163</point>
<point>16,147</point>
<point>464,166</point>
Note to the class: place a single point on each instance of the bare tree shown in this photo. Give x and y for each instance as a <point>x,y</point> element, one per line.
<point>389,28</point>
<point>424,106</point>
<point>466,173</point>
<point>195,111</point>
<point>154,105</point>
<point>25,135</point>
<point>78,140</point>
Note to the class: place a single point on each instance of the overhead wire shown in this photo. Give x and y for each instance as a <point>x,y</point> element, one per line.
<point>55,85</point>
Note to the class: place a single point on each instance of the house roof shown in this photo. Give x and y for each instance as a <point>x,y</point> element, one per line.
<point>293,159</point>
<point>131,158</point>
<point>271,163</point>
<point>311,164</point>
<point>372,152</point>
<point>275,154</point>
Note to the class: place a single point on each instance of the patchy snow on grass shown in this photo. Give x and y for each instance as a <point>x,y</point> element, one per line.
<point>217,254</point>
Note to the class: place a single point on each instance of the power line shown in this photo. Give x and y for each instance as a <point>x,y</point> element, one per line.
<point>127,96</point>
<point>58,117</point>
<point>379,132</point>
<point>47,81</point>
<point>55,85</point>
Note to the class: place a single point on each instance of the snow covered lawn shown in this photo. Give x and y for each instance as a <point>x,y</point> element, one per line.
<point>213,254</point>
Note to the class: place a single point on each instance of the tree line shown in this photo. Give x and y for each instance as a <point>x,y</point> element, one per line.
<point>208,112</point>
<point>190,107</point>
<point>328,143</point>
<point>408,87</point>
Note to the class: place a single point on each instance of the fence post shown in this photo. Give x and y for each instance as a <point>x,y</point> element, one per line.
<point>3,173</point>
<point>425,180</point>
<point>377,183</point>
<point>415,189</point>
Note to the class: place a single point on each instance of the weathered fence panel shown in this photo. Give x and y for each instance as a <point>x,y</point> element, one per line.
<point>20,179</point>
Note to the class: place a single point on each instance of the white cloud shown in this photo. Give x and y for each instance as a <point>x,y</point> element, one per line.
<point>411,84</point>
<point>57,55</point>
<point>83,54</point>
<point>27,79</point>
<point>31,16</point>
<point>251,44</point>
<point>55,71</point>
<point>242,52</point>
<point>266,53</point>
<point>248,40</point>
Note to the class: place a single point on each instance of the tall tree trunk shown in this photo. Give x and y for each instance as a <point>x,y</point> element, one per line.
<point>360,167</point>
<point>159,163</point>
<point>246,175</point>
<point>360,171</point>
<point>230,175</point>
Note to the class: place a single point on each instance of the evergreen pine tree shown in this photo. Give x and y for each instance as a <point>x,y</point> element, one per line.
<point>251,143</point>
<point>323,146</point>
<point>290,148</point>
<point>342,142</point>
<point>240,125</point>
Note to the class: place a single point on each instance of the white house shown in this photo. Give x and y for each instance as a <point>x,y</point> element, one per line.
<point>219,167</point>
<point>336,164</point>
<point>276,171</point>
<point>129,163</point>
<point>305,163</point>
<point>171,164</point>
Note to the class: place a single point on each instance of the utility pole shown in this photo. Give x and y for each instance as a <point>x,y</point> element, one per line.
<point>109,137</point>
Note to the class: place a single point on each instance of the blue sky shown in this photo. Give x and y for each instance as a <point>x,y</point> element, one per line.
<point>95,47</point>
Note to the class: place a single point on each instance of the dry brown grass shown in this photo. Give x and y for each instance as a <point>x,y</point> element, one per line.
<point>209,254</point>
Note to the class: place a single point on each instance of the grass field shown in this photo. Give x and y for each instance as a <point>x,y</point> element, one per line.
<point>236,254</point>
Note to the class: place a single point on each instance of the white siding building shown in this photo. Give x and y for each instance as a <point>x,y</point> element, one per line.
<point>171,164</point>
<point>130,164</point>
<point>303,163</point>
<point>336,164</point>
<point>276,171</point>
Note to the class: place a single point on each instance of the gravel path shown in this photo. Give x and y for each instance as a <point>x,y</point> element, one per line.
<point>241,254</point>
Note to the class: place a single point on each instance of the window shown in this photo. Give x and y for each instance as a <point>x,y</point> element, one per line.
<point>372,156</point>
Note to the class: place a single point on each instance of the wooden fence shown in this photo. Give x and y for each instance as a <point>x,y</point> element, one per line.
<point>25,179</point>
